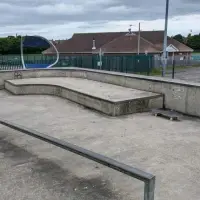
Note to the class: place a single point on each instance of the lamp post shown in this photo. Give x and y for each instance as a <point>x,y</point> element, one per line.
<point>139,31</point>
<point>139,39</point>
<point>138,36</point>
<point>165,39</point>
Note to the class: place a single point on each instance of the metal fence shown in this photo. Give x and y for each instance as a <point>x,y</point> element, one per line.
<point>128,64</point>
<point>180,60</point>
<point>10,62</point>
<point>148,179</point>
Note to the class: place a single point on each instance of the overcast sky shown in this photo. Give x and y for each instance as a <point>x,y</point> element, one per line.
<point>59,19</point>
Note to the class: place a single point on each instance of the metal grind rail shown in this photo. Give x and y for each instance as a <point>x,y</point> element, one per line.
<point>148,179</point>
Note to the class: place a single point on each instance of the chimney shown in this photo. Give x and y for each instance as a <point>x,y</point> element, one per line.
<point>94,45</point>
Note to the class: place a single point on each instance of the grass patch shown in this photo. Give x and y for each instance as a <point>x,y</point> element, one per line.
<point>154,72</point>
<point>196,53</point>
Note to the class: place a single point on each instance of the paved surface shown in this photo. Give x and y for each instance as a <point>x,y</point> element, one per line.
<point>94,88</point>
<point>192,75</point>
<point>33,170</point>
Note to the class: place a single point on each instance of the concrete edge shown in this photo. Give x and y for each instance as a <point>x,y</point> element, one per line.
<point>61,87</point>
<point>59,92</point>
<point>141,77</point>
<point>154,95</point>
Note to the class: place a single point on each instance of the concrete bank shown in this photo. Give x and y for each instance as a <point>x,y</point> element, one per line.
<point>179,95</point>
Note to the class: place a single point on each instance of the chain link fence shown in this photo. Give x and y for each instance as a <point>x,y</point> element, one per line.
<point>180,60</point>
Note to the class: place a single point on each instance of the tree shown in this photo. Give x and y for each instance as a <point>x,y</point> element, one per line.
<point>11,45</point>
<point>194,42</point>
<point>179,38</point>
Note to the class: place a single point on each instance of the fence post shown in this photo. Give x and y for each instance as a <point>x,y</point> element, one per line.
<point>149,189</point>
<point>149,65</point>
<point>121,63</point>
<point>173,69</point>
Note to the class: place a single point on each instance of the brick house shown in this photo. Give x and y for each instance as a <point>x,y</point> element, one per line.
<point>119,43</point>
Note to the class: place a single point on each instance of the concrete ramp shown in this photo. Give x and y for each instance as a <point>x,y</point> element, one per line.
<point>107,98</point>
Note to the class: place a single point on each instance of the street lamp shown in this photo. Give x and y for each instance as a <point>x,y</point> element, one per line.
<point>139,31</point>
<point>139,39</point>
<point>165,39</point>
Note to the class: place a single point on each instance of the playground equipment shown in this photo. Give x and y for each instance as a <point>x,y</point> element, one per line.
<point>37,41</point>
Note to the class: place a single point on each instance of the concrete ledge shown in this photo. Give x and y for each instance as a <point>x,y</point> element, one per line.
<point>179,95</point>
<point>122,104</point>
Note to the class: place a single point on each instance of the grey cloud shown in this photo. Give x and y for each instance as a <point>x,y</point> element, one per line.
<point>24,12</point>
<point>191,1</point>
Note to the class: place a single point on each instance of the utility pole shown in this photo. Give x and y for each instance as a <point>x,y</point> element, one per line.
<point>165,39</point>
<point>139,39</point>
<point>100,58</point>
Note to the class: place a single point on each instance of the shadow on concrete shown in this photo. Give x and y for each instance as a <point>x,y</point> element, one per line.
<point>55,178</point>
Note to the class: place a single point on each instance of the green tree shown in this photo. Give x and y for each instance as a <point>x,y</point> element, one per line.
<point>11,45</point>
<point>194,42</point>
<point>179,38</point>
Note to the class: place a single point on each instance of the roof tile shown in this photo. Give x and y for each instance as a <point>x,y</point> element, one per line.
<point>151,41</point>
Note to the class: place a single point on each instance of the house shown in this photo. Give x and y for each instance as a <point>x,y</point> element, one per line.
<point>119,43</point>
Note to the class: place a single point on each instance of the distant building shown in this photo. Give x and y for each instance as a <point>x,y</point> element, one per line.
<point>119,43</point>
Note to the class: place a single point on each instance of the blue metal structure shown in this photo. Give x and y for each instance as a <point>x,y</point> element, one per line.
<point>37,41</point>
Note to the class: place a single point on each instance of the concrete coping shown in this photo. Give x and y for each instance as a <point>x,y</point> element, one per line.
<point>141,77</point>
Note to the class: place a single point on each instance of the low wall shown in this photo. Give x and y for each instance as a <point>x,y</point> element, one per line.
<point>179,95</point>
<point>110,107</point>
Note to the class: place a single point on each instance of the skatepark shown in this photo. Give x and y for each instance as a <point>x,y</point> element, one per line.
<point>108,113</point>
